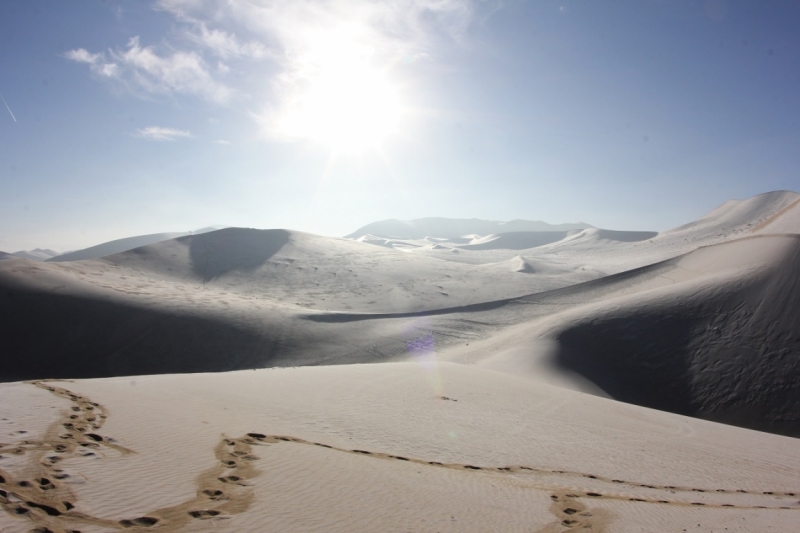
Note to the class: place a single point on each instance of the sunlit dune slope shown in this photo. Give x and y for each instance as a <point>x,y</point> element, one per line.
<point>391,448</point>
<point>454,228</point>
<point>113,247</point>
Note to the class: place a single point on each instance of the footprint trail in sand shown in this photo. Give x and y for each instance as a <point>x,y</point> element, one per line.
<point>40,489</point>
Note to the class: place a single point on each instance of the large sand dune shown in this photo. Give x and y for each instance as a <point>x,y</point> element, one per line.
<point>709,333</point>
<point>117,246</point>
<point>700,321</point>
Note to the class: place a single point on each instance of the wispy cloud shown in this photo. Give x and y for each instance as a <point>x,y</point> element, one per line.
<point>222,142</point>
<point>211,51</point>
<point>325,46</point>
<point>225,45</point>
<point>142,68</point>
<point>96,62</point>
<point>157,133</point>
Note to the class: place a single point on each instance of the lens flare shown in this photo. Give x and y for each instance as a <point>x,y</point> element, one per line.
<point>423,350</point>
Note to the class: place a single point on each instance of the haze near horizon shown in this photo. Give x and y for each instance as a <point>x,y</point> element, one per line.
<point>135,118</point>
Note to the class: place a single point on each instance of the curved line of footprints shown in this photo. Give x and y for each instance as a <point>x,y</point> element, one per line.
<point>41,492</point>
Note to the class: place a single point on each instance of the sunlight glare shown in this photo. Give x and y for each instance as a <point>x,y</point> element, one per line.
<point>343,102</point>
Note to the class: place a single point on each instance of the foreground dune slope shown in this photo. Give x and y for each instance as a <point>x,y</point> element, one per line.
<point>394,447</point>
<point>712,334</point>
<point>727,350</point>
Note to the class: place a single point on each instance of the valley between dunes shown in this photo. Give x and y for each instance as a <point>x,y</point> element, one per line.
<point>401,380</point>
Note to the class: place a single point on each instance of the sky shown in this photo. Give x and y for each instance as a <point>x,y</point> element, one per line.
<point>124,118</point>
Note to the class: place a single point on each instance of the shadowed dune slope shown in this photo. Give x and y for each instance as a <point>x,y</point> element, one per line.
<point>727,350</point>
<point>60,336</point>
<point>240,249</point>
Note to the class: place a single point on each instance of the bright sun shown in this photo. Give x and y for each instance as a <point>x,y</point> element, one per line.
<point>343,102</point>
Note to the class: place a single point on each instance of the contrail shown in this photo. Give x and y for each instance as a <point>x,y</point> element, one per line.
<point>9,109</point>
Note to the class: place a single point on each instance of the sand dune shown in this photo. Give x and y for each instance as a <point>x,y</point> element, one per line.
<point>247,294</point>
<point>517,240</point>
<point>738,217</point>
<point>786,220</point>
<point>520,264</point>
<point>710,334</point>
<point>697,321</point>
<point>120,245</point>
<point>723,349</point>
<point>596,234</point>
<point>661,335</point>
<point>449,228</point>
<point>113,247</point>
<point>324,449</point>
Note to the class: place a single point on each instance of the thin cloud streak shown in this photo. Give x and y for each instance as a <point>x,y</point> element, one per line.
<point>9,109</point>
<point>157,133</point>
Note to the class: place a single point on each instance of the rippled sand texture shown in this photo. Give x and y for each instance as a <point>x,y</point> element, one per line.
<point>394,447</point>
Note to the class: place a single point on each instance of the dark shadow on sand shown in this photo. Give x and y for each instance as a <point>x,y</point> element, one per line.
<point>233,249</point>
<point>47,335</point>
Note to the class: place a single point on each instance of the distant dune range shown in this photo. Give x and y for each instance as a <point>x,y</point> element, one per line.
<point>454,228</point>
<point>104,249</point>
<point>699,320</point>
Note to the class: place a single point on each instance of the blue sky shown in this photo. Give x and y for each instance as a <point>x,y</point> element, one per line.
<point>141,117</point>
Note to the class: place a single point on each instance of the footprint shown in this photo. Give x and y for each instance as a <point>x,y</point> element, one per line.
<point>146,521</point>
<point>204,514</point>
<point>45,484</point>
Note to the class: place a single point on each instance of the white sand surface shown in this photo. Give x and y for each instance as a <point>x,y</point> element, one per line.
<point>491,409</point>
<point>618,466</point>
<point>709,331</point>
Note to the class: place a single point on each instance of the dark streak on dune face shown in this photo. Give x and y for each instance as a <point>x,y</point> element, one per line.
<point>67,336</point>
<point>240,249</point>
<point>731,355</point>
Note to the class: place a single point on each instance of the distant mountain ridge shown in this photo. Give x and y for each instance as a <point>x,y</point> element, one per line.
<point>448,228</point>
<point>37,254</point>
